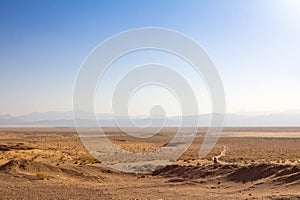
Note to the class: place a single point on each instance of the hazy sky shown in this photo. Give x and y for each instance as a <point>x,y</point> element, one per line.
<point>255,45</point>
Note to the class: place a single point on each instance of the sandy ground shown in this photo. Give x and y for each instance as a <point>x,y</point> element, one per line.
<point>51,163</point>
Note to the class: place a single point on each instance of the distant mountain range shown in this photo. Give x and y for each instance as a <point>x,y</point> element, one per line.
<point>65,119</point>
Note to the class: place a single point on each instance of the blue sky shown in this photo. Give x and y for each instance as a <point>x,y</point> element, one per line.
<point>254,44</point>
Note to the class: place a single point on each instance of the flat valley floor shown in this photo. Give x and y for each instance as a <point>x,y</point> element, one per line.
<point>246,163</point>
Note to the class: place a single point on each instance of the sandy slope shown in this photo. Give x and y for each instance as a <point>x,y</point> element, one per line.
<point>35,180</point>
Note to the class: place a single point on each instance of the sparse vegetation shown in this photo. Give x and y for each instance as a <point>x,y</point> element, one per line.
<point>41,176</point>
<point>86,160</point>
<point>245,155</point>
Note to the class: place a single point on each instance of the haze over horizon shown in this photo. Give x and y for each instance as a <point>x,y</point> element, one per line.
<point>255,46</point>
<point>66,119</point>
<point>259,113</point>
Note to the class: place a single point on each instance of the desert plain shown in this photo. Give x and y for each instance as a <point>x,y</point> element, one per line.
<point>246,163</point>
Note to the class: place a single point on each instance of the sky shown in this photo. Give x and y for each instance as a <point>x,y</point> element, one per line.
<point>255,46</point>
